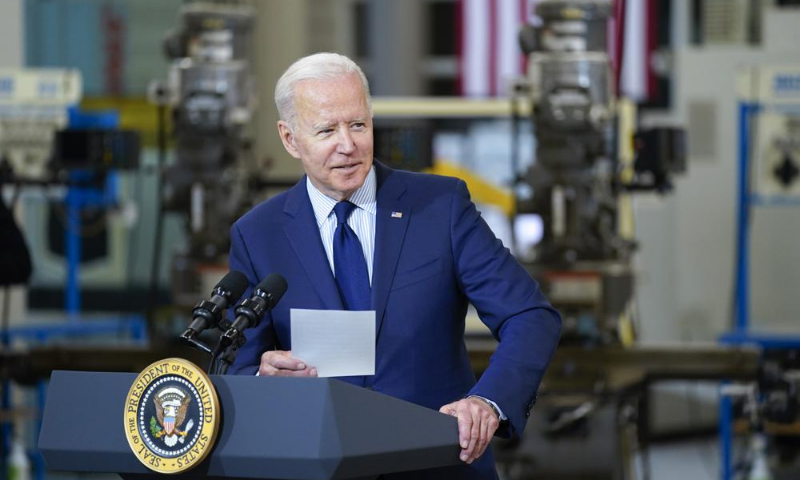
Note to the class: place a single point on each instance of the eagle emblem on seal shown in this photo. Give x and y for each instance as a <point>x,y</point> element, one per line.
<point>171,406</point>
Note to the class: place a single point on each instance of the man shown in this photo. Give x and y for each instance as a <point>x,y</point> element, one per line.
<point>354,234</point>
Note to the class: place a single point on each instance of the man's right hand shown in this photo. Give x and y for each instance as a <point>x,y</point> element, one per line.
<point>278,363</point>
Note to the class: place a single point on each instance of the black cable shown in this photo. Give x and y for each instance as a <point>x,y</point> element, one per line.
<point>5,321</point>
<point>6,314</point>
<point>212,364</point>
<point>154,267</point>
<point>5,339</point>
<point>5,396</point>
<point>135,232</point>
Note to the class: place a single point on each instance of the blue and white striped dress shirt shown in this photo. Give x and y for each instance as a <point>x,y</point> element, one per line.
<point>361,220</point>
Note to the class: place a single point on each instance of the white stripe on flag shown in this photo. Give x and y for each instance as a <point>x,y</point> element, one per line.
<point>634,58</point>
<point>508,52</point>
<point>475,50</point>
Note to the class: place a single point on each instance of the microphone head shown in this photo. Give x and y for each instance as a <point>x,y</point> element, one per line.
<point>274,286</point>
<point>234,284</point>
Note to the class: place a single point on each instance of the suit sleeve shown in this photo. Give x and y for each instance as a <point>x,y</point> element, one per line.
<point>261,338</point>
<point>512,305</point>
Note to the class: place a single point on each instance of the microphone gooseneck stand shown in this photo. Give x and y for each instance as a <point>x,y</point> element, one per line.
<point>224,355</point>
<point>248,314</point>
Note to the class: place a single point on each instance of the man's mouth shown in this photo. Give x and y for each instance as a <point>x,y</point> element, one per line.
<point>346,168</point>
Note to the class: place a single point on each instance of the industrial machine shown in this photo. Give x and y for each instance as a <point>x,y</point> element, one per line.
<point>589,159</point>
<point>584,168</point>
<point>46,141</point>
<point>211,99</point>
<point>33,106</point>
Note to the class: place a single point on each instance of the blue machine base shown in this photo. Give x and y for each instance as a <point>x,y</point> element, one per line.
<point>767,341</point>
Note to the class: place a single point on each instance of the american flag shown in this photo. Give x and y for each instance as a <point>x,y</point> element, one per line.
<point>490,57</point>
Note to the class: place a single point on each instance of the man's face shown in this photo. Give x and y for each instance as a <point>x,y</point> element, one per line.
<point>332,135</point>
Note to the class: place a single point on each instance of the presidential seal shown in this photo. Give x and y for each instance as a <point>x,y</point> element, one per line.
<point>171,416</point>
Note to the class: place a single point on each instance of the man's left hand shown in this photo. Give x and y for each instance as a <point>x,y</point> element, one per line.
<point>477,423</point>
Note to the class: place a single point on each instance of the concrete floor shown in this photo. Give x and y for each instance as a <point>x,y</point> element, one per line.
<point>693,460</point>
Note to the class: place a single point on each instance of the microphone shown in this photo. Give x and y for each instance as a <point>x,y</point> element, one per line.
<point>207,313</point>
<point>249,313</point>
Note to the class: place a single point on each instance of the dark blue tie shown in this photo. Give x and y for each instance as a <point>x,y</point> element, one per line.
<point>349,265</point>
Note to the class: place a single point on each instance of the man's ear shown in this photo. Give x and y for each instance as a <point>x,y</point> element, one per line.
<point>287,138</point>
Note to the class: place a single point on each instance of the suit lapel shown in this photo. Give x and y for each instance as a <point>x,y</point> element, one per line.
<point>301,228</point>
<point>391,222</point>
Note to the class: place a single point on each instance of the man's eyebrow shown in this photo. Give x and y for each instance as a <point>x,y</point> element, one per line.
<point>325,125</point>
<point>322,126</point>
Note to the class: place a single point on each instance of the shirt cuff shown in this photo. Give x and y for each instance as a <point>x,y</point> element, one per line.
<point>499,411</point>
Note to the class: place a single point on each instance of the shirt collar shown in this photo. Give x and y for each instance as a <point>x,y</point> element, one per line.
<point>363,198</point>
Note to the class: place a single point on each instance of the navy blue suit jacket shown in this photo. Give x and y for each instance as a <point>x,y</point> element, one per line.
<point>429,264</point>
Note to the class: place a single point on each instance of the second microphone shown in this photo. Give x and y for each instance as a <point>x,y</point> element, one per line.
<point>249,313</point>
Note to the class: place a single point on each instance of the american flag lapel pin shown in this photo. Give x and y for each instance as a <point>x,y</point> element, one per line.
<point>397,214</point>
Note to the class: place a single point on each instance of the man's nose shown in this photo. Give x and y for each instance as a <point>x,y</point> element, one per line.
<point>346,144</point>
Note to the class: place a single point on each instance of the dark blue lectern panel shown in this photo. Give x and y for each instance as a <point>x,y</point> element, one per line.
<point>275,428</point>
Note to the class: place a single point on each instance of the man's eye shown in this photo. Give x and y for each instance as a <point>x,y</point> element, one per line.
<point>359,125</point>
<point>325,131</point>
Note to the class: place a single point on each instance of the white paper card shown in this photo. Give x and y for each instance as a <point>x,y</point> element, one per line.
<point>337,342</point>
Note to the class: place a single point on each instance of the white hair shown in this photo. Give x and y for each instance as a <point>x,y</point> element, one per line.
<point>319,66</point>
